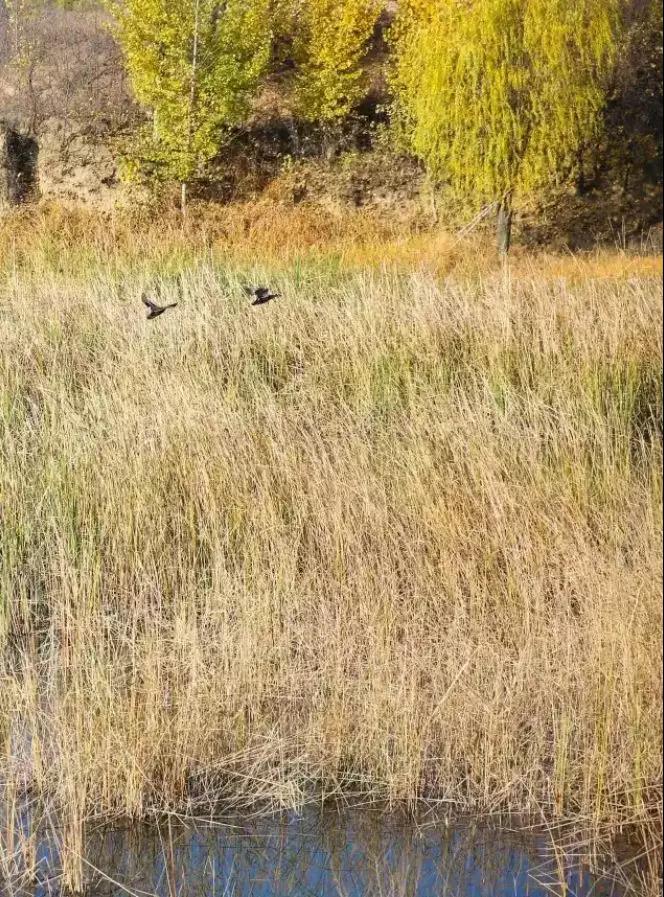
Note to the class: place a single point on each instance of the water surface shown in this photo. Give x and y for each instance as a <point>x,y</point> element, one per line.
<point>327,854</point>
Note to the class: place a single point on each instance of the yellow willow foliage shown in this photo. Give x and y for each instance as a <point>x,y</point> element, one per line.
<point>284,16</point>
<point>330,46</point>
<point>195,64</point>
<point>496,96</point>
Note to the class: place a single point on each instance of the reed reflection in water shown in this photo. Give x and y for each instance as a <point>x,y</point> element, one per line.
<point>327,854</point>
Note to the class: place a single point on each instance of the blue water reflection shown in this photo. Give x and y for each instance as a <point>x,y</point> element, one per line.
<point>329,854</point>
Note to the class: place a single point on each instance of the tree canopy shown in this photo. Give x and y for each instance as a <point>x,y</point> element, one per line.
<point>195,64</point>
<point>330,47</point>
<point>495,96</point>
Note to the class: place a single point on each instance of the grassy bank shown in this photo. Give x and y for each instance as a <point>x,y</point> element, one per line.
<point>396,535</point>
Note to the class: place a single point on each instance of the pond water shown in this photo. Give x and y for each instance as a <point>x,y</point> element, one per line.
<point>325,854</point>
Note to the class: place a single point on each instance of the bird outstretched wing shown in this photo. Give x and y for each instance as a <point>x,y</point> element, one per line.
<point>149,303</point>
<point>258,292</point>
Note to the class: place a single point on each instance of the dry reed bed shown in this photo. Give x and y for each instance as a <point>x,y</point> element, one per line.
<point>393,535</point>
<point>72,241</point>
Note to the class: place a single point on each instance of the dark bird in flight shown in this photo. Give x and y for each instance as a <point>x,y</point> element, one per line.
<point>261,295</point>
<point>155,310</point>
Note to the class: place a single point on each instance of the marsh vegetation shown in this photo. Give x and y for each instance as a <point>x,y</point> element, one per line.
<point>395,536</point>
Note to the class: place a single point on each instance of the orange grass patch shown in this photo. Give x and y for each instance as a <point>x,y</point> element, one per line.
<point>276,234</point>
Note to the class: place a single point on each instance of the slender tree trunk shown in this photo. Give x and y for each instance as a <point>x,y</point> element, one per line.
<point>194,69</point>
<point>432,201</point>
<point>504,224</point>
<point>628,168</point>
<point>330,143</point>
<point>192,103</point>
<point>294,136</point>
<point>581,183</point>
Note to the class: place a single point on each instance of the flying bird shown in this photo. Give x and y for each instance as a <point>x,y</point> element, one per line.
<point>261,295</point>
<point>155,310</point>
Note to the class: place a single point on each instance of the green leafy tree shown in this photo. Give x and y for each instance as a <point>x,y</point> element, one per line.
<point>195,64</point>
<point>496,96</point>
<point>284,17</point>
<point>330,49</point>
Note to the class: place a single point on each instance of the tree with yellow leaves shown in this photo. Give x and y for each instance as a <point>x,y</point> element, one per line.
<point>496,96</point>
<point>330,48</point>
<point>195,65</point>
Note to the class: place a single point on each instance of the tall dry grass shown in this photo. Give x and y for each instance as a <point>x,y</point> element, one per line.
<point>395,535</point>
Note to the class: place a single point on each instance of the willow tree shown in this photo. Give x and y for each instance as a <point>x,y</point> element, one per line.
<point>496,96</point>
<point>195,64</point>
<point>330,49</point>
